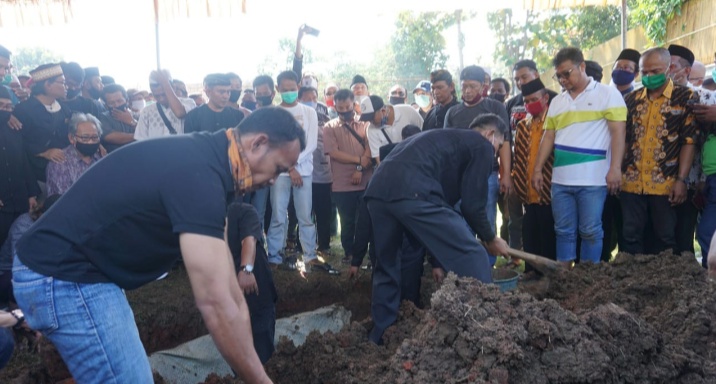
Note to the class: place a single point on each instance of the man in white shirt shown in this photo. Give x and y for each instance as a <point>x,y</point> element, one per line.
<point>386,122</point>
<point>151,123</point>
<point>298,181</point>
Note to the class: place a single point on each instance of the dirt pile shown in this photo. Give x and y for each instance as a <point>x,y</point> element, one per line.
<point>642,319</point>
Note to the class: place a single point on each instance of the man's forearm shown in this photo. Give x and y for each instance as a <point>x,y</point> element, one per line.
<point>686,158</point>
<point>505,160</point>
<point>344,157</point>
<point>618,143</point>
<point>119,138</point>
<point>545,148</point>
<point>248,251</point>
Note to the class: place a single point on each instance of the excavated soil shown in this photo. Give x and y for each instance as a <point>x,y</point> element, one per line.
<point>641,319</point>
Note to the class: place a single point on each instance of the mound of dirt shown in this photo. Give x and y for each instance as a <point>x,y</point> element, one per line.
<point>642,319</point>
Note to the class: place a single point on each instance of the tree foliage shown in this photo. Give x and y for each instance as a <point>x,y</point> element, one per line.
<point>653,15</point>
<point>25,59</point>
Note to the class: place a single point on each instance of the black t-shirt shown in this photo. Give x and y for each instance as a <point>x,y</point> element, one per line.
<point>204,119</point>
<point>243,221</point>
<point>120,222</point>
<point>436,116</point>
<point>85,105</point>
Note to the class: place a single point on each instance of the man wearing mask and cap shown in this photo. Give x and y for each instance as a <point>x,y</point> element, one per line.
<point>386,122</point>
<point>538,235</point>
<point>74,79</point>
<point>661,134</point>
<point>92,85</point>
<point>18,188</point>
<point>84,133</point>
<point>422,94</point>
<point>44,120</point>
<point>166,116</point>
<point>472,82</point>
<point>687,213</point>
<point>216,114</point>
<point>625,70</point>
<point>397,95</point>
<point>235,93</point>
<point>359,87</point>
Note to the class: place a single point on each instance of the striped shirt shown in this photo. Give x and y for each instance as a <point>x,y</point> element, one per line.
<point>582,141</point>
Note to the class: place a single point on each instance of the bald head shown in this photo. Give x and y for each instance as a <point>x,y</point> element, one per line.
<point>698,72</point>
<point>656,54</point>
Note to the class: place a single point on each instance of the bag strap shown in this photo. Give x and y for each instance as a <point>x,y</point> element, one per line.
<point>386,136</point>
<point>355,134</point>
<point>166,121</point>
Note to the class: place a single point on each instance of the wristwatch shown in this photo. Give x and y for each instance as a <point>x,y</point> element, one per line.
<point>248,268</point>
<point>19,316</point>
<point>359,168</point>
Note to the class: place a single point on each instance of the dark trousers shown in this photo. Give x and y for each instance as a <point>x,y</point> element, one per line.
<point>641,210</point>
<point>440,229</point>
<point>612,225</point>
<point>322,213</point>
<point>356,231</point>
<point>412,256</point>
<point>538,234</point>
<point>686,216</point>
<point>516,218</point>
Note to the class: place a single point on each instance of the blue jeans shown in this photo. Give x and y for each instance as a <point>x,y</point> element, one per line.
<point>578,208</point>
<point>707,225</point>
<point>302,200</point>
<point>7,346</point>
<point>91,325</point>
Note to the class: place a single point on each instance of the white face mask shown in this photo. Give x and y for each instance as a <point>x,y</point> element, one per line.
<point>138,105</point>
<point>422,100</point>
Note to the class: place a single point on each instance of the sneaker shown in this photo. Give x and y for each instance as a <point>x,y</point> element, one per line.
<point>317,266</point>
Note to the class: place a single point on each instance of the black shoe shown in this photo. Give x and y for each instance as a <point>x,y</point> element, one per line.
<point>289,263</point>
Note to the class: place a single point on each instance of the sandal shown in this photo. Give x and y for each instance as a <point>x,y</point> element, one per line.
<point>323,267</point>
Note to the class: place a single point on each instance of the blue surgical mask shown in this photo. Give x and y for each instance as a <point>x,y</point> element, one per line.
<point>713,74</point>
<point>312,104</point>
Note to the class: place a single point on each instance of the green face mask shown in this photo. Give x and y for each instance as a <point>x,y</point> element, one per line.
<point>289,97</point>
<point>653,81</point>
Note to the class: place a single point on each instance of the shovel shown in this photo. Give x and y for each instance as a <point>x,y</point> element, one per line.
<point>540,263</point>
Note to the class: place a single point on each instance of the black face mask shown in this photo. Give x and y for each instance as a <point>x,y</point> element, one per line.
<point>5,117</point>
<point>72,93</point>
<point>347,116</point>
<point>394,100</point>
<point>122,107</point>
<point>94,93</point>
<point>234,95</point>
<point>87,149</point>
<point>264,101</point>
<point>250,105</point>
<point>498,96</point>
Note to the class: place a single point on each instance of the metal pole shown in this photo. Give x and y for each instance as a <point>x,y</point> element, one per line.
<point>460,38</point>
<point>156,30</point>
<point>625,25</point>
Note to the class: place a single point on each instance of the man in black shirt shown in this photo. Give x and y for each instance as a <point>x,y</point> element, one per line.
<point>443,90</point>
<point>216,114</point>
<point>414,191</point>
<point>126,221</point>
<point>74,78</point>
<point>243,230</point>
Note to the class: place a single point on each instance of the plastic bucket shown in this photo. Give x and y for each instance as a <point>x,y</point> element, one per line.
<point>506,279</point>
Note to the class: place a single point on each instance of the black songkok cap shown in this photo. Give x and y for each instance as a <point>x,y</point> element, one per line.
<point>358,79</point>
<point>91,72</point>
<point>682,52</point>
<point>631,55</point>
<point>532,87</point>
<point>473,72</point>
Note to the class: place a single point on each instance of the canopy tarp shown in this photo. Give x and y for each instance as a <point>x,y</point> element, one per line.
<point>21,13</point>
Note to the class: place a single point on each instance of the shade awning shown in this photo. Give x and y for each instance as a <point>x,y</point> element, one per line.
<point>23,13</point>
<point>538,5</point>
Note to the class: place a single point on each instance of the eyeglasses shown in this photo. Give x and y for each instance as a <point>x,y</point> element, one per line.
<point>87,138</point>
<point>564,75</point>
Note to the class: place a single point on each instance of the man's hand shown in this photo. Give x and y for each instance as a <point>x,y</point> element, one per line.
<point>296,179</point>
<point>506,185</point>
<point>14,123</point>
<point>247,282</point>
<point>537,180</point>
<point>357,177</point>
<point>704,113</point>
<point>352,273</point>
<point>301,32</point>
<point>21,93</point>
<point>54,155</point>
<point>498,247</point>
<point>678,193</point>
<point>124,116</point>
<point>365,161</point>
<point>438,275</point>
<point>32,202</point>
<point>614,180</point>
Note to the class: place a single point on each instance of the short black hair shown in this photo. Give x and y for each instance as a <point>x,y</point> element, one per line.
<point>286,75</point>
<point>73,71</point>
<point>232,75</point>
<point>343,95</point>
<point>409,130</point>
<point>486,119</point>
<point>214,79</point>
<point>570,53</point>
<point>303,90</point>
<point>107,80</point>
<point>113,88</point>
<point>526,63</point>
<point>4,52</point>
<point>503,81</point>
<point>277,123</point>
<point>263,80</point>
<point>442,75</point>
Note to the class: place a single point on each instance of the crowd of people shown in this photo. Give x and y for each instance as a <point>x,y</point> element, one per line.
<point>144,178</point>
